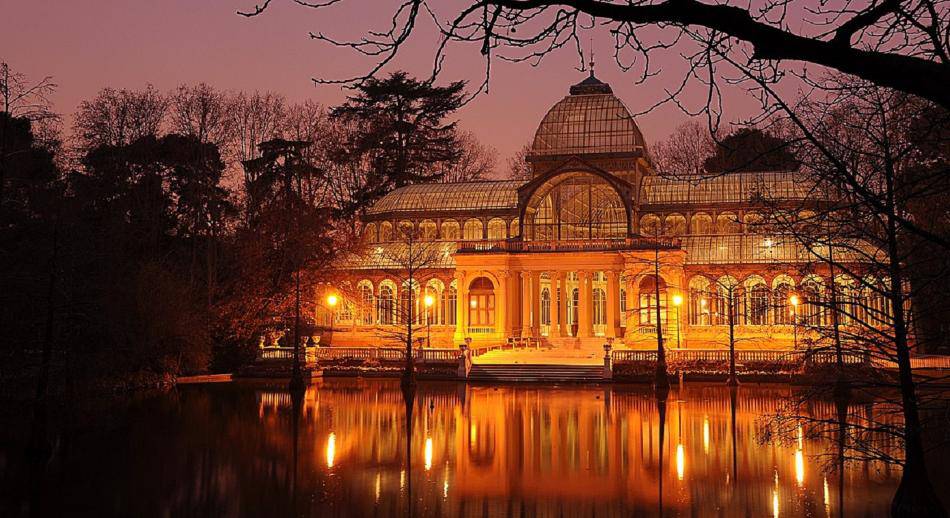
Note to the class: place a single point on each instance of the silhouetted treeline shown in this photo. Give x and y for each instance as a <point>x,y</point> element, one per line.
<point>162,236</point>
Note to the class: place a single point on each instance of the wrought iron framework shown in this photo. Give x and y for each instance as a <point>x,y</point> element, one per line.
<point>575,206</point>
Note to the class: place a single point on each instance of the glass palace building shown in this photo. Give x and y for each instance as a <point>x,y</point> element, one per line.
<point>571,255</point>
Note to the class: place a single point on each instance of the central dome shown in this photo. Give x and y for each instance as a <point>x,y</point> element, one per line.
<point>589,121</point>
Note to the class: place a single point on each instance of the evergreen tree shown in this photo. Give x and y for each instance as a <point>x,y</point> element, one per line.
<point>750,149</point>
<point>400,133</point>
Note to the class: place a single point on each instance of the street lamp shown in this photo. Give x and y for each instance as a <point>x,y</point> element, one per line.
<point>429,301</point>
<point>677,301</point>
<point>794,301</point>
<point>332,301</point>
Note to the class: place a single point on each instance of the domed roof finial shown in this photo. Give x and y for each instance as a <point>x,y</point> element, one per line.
<point>592,57</point>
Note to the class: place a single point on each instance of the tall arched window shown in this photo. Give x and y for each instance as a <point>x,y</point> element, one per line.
<point>701,224</point>
<point>727,223</point>
<point>369,233</point>
<point>450,230</point>
<point>545,307</point>
<point>623,307</point>
<point>675,225</point>
<point>434,313</point>
<point>497,229</point>
<point>481,308</point>
<point>428,230</point>
<point>600,311</point>
<point>758,310</point>
<point>575,205</point>
<point>648,300</point>
<point>386,305</point>
<point>813,311</point>
<point>649,225</point>
<point>699,308</point>
<point>385,232</point>
<point>449,304</point>
<point>514,230</point>
<point>472,230</point>
<point>781,312</point>
<point>724,295</point>
<point>366,303</point>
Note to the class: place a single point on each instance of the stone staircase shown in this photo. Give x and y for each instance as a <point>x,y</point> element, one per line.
<point>537,373</point>
<point>593,343</point>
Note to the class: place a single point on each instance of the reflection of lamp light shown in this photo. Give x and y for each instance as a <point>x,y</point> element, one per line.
<point>428,453</point>
<point>705,434</point>
<point>677,301</point>
<point>378,486</point>
<point>680,461</point>
<point>331,449</point>
<point>827,498</point>
<point>775,497</point>
<point>799,467</point>
<point>472,434</point>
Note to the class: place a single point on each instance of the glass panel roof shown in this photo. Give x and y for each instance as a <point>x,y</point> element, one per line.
<point>462,196</point>
<point>734,187</point>
<point>581,124</point>
<point>395,256</point>
<point>756,248</point>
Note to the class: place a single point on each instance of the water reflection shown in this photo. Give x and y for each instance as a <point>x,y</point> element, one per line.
<point>348,450</point>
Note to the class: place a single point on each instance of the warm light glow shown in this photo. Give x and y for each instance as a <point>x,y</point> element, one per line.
<point>472,434</point>
<point>768,243</point>
<point>428,453</point>
<point>677,300</point>
<point>827,498</point>
<point>332,300</point>
<point>793,300</point>
<point>473,303</point>
<point>331,449</point>
<point>429,301</point>
<point>775,503</point>
<point>702,302</point>
<point>680,461</point>
<point>378,486</point>
<point>705,434</point>
<point>799,467</point>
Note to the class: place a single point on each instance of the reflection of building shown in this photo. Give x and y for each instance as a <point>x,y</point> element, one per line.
<point>570,252</point>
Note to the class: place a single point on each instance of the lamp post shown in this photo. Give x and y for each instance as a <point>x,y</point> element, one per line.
<point>429,301</point>
<point>794,301</point>
<point>332,300</point>
<point>678,301</point>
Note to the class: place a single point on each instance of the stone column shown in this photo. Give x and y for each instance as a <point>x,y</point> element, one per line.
<point>525,304</point>
<point>461,306</point>
<point>535,303</point>
<point>502,326</point>
<point>584,313</point>
<point>613,304</point>
<point>557,279</point>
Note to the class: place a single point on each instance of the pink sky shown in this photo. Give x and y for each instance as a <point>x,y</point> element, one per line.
<point>89,45</point>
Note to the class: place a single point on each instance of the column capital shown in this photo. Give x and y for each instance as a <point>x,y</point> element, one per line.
<point>557,275</point>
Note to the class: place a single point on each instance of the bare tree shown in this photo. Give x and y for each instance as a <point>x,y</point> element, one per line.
<point>476,161</point>
<point>518,166</point>
<point>203,112</point>
<point>684,151</point>
<point>258,117</point>
<point>119,117</point>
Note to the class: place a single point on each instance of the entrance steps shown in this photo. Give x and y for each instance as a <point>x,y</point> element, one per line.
<point>592,343</point>
<point>537,373</point>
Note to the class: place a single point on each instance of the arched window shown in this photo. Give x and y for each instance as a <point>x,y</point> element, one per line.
<point>623,307</point>
<point>428,230</point>
<point>600,311</point>
<point>449,304</point>
<point>701,224</point>
<point>365,290</point>
<point>757,293</point>
<point>481,306</point>
<point>699,309</point>
<point>724,294</point>
<point>575,205</point>
<point>369,233</point>
<point>675,225</point>
<point>385,232</point>
<point>648,300</point>
<point>573,307</point>
<point>546,307</point>
<point>649,225</point>
<point>781,293</point>
<point>450,230</point>
<point>472,230</point>
<point>497,229</point>
<point>434,314</point>
<point>727,223</point>
<point>812,294</point>
<point>386,305</point>
<point>845,295</point>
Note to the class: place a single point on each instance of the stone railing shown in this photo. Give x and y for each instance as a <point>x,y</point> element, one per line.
<point>385,354</point>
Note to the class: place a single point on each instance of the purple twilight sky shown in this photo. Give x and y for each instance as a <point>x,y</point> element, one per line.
<point>92,44</point>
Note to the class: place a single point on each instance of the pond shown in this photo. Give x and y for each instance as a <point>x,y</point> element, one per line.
<point>236,449</point>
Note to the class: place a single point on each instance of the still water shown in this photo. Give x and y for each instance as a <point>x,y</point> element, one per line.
<point>236,449</point>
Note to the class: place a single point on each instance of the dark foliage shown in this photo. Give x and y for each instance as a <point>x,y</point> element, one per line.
<point>750,149</point>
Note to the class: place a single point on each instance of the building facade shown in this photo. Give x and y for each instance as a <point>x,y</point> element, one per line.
<point>593,245</point>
